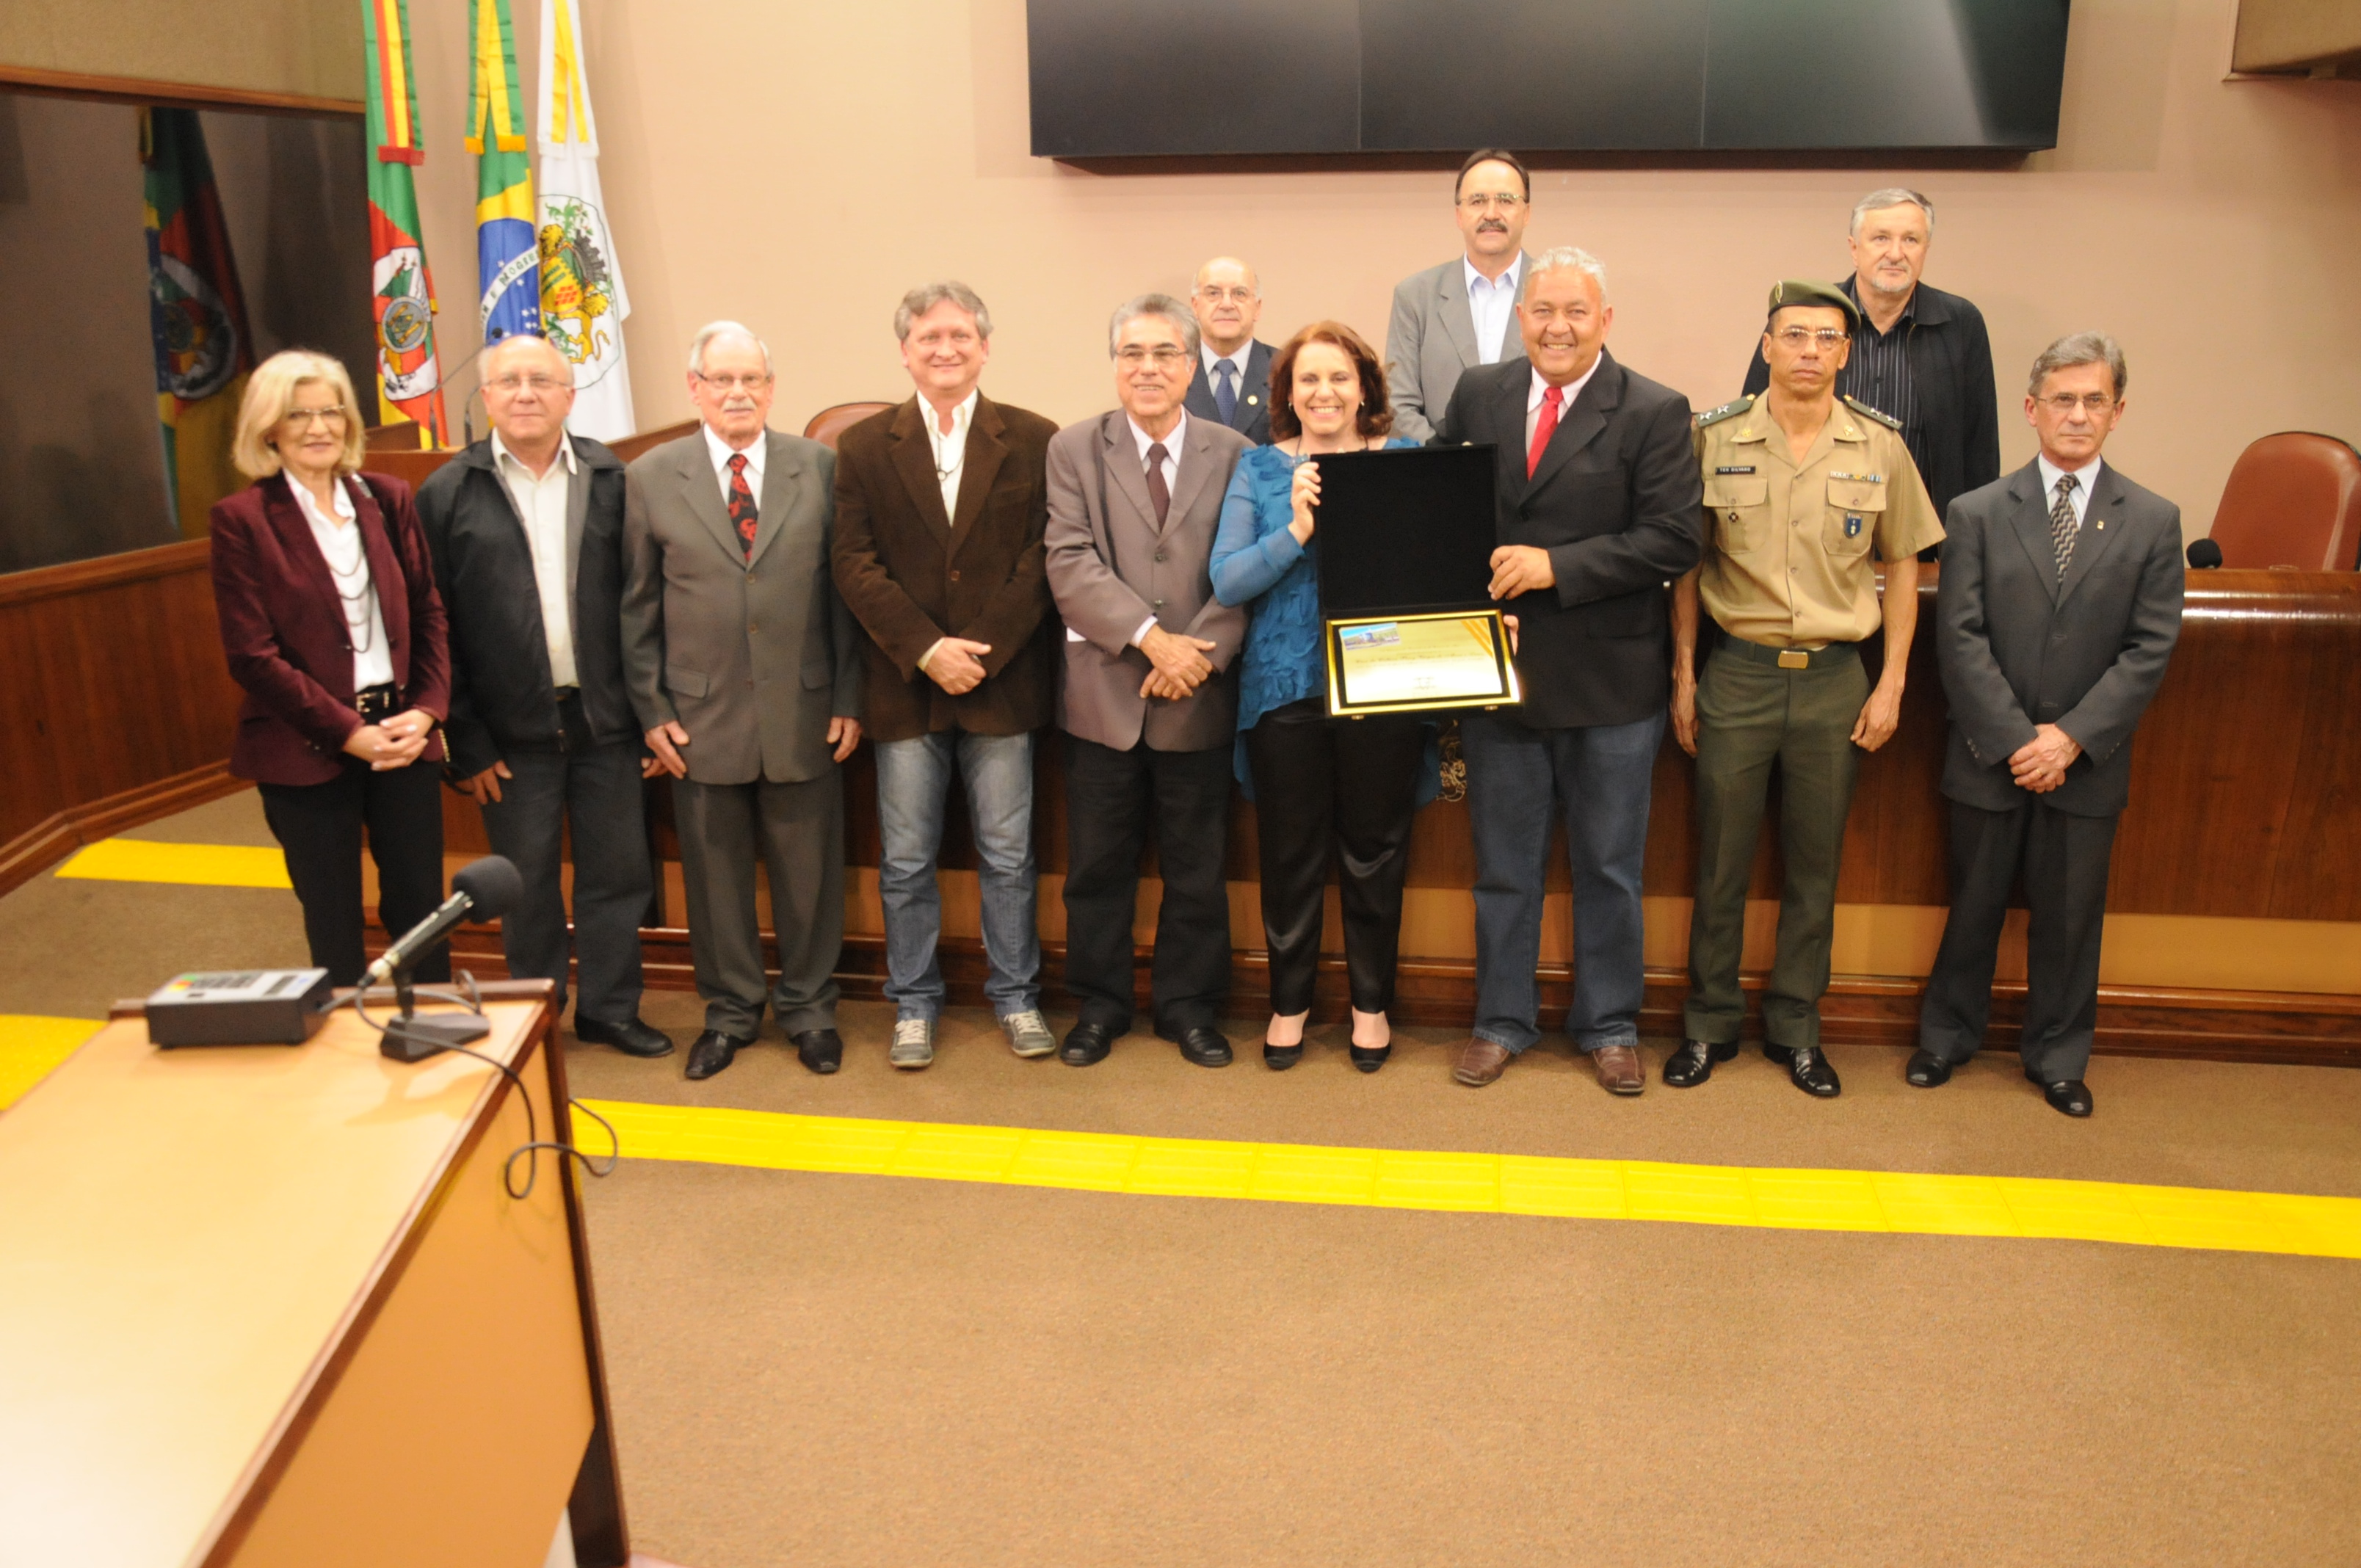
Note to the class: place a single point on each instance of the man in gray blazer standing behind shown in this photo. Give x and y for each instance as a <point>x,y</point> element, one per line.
<point>741,661</point>
<point>1461,315</point>
<point>2058,607</point>
<point>1148,705</point>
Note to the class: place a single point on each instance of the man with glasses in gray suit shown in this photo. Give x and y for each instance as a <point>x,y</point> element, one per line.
<point>1452,318</point>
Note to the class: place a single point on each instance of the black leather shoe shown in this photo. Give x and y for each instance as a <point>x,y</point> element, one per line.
<point>1926,1070</point>
<point>1278,1058</point>
<point>1205,1046</point>
<point>1368,1058</point>
<point>2070,1096</point>
<point>1693,1063</point>
<point>1812,1073</point>
<point>1086,1043</point>
<point>631,1036</point>
<point>822,1050</point>
<point>713,1051</point>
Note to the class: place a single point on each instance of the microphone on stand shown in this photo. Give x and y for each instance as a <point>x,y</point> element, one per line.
<point>2205,554</point>
<point>481,892</point>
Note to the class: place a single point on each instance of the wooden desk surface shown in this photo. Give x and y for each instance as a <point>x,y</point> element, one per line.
<point>182,1235</point>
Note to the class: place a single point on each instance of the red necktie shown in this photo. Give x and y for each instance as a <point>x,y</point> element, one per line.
<point>741,502</point>
<point>1543,427</point>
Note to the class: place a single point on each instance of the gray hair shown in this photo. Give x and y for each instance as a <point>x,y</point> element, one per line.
<point>1570,258</point>
<point>711,330</point>
<point>2079,348</point>
<point>492,351</point>
<point>1183,320</point>
<point>1891,196</point>
<point>921,300</point>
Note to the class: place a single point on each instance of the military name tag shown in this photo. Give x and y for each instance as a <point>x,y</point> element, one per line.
<point>1742,468</point>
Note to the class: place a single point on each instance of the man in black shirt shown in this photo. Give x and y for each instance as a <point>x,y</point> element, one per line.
<point>1921,355</point>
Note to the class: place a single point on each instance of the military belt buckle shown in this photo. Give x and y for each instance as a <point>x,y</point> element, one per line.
<point>1795,659</point>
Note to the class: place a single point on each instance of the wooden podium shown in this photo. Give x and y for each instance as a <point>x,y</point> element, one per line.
<point>272,1305</point>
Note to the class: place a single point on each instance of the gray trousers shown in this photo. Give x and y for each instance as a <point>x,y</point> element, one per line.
<point>597,788</point>
<point>796,830</point>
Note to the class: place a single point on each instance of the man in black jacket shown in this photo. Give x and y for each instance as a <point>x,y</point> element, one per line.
<point>1600,508</point>
<point>526,528</point>
<point>1921,355</point>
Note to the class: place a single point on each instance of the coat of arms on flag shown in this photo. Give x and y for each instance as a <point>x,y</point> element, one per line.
<point>197,315</point>
<point>408,384</point>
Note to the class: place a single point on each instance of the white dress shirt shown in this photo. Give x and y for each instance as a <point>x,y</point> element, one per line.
<point>951,450</point>
<point>1179,434</point>
<point>541,505</point>
<point>722,452</point>
<point>1493,305</point>
<point>340,544</point>
<point>1237,362</point>
<point>1541,390</point>
<point>2085,477</point>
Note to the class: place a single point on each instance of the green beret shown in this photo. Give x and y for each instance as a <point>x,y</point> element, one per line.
<point>1804,291</point>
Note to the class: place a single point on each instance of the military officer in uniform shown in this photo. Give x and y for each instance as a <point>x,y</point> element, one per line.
<point>1801,489</point>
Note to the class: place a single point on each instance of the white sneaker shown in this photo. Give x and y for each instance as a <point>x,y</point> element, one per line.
<point>914,1043</point>
<point>1028,1032</point>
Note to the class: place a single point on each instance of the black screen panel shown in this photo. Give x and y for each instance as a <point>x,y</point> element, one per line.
<point>1406,531</point>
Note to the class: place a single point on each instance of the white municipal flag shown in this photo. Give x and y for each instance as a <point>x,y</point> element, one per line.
<point>582,299</point>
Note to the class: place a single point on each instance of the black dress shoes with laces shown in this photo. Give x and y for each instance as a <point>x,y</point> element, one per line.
<point>631,1036</point>
<point>713,1051</point>
<point>1926,1070</point>
<point>822,1050</point>
<point>1693,1063</point>
<point>1086,1043</point>
<point>1205,1046</point>
<point>2069,1096</point>
<point>1812,1073</point>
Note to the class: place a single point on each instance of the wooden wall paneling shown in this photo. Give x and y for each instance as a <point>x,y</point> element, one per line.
<point>2318,875</point>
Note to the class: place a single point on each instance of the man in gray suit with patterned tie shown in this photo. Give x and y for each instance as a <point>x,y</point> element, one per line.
<point>2058,611</point>
<point>1461,315</point>
<point>1149,703</point>
<point>741,666</point>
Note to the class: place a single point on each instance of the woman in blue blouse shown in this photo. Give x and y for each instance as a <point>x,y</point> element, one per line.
<point>1321,785</point>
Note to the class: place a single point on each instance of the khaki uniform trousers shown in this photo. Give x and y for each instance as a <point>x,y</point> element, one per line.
<point>1750,713</point>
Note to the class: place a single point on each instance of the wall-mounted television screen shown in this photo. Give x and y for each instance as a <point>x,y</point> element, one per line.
<point>1118,79</point>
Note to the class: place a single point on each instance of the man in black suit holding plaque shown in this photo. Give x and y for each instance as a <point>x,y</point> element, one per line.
<point>1599,508</point>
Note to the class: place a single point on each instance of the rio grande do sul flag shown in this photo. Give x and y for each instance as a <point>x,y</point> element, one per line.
<point>507,264</point>
<point>197,314</point>
<point>408,385</point>
<point>582,299</point>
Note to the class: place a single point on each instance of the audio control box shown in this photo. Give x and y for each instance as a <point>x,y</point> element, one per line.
<point>240,1007</point>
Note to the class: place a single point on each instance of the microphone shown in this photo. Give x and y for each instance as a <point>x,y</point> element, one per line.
<point>2205,554</point>
<point>481,892</point>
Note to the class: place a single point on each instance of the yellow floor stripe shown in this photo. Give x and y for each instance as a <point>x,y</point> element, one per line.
<point>202,865</point>
<point>1896,1202</point>
<point>30,1046</point>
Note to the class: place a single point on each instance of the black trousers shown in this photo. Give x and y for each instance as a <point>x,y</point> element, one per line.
<point>2064,862</point>
<point>319,826</point>
<point>597,788</point>
<point>1114,801</point>
<point>1340,788</point>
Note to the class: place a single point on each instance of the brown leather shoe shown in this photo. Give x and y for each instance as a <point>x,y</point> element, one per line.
<point>1480,1063</point>
<point>1619,1069</point>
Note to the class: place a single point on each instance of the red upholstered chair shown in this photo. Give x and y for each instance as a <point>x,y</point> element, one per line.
<point>831,423</point>
<point>2293,499</point>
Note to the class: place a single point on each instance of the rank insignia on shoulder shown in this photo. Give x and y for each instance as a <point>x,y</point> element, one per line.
<point>1726,410</point>
<point>1865,411</point>
<point>1736,468</point>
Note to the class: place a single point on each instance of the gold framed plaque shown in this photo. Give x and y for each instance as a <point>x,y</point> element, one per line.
<point>1419,662</point>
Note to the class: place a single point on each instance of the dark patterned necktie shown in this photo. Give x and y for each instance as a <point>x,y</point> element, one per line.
<point>2062,526</point>
<point>1157,491</point>
<point>1225,391</point>
<point>741,503</point>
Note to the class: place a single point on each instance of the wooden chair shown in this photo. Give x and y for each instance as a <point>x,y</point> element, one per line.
<point>2293,499</point>
<point>830,423</point>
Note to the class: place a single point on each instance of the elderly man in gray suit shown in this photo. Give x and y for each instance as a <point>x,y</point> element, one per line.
<point>2056,613</point>
<point>741,666</point>
<point>1461,315</point>
<point>1148,705</point>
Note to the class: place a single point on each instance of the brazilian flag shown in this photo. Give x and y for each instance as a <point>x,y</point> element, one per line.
<point>197,315</point>
<point>508,254</point>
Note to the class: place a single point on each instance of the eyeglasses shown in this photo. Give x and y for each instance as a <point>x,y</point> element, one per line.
<point>2065,403</point>
<point>1132,358</point>
<point>1484,203</point>
<point>306,418</point>
<point>1794,338</point>
<point>538,383</point>
<point>1241,294</point>
<point>753,383</point>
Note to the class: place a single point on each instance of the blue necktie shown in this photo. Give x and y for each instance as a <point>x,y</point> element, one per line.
<point>1225,394</point>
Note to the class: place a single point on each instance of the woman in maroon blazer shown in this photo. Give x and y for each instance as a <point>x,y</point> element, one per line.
<point>331,623</point>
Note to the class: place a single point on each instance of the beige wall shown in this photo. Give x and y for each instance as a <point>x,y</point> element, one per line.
<point>306,48</point>
<point>798,165</point>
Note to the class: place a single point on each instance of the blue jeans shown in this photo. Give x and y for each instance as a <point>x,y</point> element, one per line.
<point>1601,775</point>
<point>913,780</point>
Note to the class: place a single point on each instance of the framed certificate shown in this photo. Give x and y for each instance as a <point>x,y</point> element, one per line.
<point>1406,540</point>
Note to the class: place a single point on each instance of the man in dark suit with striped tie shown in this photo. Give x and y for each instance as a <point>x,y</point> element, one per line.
<point>1233,387</point>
